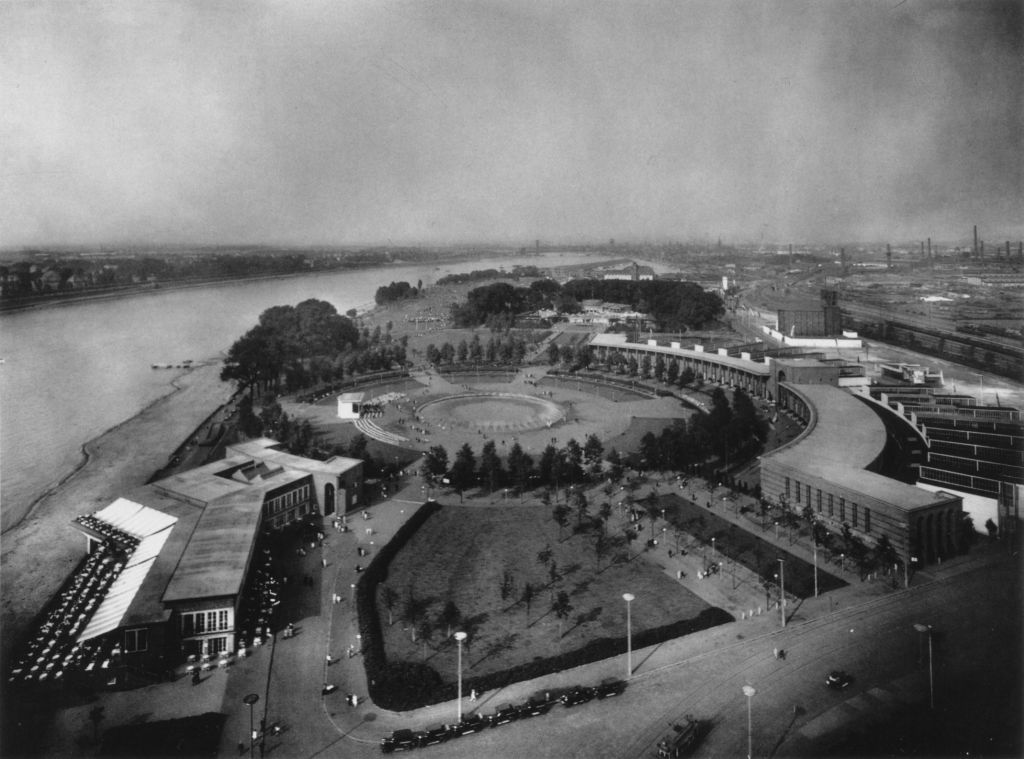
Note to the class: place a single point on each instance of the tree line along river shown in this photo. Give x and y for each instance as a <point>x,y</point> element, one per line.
<point>71,372</point>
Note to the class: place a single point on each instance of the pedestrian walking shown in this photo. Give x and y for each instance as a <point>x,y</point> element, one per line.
<point>775,653</point>
<point>323,563</point>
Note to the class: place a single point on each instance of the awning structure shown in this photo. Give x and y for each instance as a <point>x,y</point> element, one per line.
<point>134,518</point>
<point>153,528</point>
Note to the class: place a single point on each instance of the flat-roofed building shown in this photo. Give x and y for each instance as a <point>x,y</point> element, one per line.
<point>832,467</point>
<point>172,569</point>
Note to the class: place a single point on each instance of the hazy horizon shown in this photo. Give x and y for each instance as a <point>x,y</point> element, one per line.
<point>497,123</point>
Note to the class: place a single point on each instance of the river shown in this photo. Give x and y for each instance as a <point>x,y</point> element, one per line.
<point>73,371</point>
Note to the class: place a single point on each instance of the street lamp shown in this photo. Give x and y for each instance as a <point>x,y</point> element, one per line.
<point>931,672</point>
<point>251,700</point>
<point>749,692</point>
<point>782,589</point>
<point>815,569</point>
<point>714,554</point>
<point>459,637</point>
<point>628,597</point>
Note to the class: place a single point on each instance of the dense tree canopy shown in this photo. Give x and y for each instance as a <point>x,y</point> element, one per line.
<point>285,338</point>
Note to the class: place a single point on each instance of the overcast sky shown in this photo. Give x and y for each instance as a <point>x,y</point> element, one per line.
<point>350,122</point>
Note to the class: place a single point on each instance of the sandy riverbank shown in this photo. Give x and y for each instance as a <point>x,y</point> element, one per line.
<point>38,553</point>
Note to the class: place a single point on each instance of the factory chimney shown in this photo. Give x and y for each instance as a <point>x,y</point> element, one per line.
<point>791,255</point>
<point>1007,250</point>
<point>929,249</point>
<point>975,241</point>
<point>888,255</point>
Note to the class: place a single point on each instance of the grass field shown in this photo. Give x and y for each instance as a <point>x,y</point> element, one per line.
<point>745,547</point>
<point>467,554</point>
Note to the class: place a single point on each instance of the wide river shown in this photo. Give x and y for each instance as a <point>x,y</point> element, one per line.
<point>71,372</point>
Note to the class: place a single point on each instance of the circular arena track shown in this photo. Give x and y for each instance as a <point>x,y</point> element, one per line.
<point>492,412</point>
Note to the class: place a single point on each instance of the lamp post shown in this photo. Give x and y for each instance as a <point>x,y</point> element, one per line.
<point>251,700</point>
<point>815,570</point>
<point>628,597</point>
<point>782,590</point>
<point>459,637</point>
<point>714,553</point>
<point>749,692</point>
<point>931,672</point>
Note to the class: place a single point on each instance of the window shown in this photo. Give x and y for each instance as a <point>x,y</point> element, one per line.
<point>808,495</point>
<point>842,509</point>
<point>787,487</point>
<point>854,515</point>
<point>216,645</point>
<point>867,519</point>
<point>831,506</point>
<point>798,491</point>
<point>200,622</point>
<point>222,619</point>
<point>819,500</point>
<point>136,640</point>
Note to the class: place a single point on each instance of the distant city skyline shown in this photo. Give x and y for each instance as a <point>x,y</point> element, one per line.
<point>428,123</point>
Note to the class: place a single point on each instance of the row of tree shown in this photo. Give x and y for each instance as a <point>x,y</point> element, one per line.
<point>506,349</point>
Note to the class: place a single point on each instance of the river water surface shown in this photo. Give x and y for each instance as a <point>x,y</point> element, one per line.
<point>73,371</point>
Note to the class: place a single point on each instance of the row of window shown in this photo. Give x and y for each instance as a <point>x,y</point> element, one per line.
<point>200,622</point>
<point>287,500</point>
<point>854,508</point>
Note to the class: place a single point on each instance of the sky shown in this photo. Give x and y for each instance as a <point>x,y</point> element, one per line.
<point>347,123</point>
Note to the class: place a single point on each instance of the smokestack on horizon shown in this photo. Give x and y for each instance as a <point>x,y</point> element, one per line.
<point>975,251</point>
<point>929,249</point>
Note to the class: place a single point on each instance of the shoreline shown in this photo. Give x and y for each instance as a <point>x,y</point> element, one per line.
<point>87,455</point>
<point>132,291</point>
<point>41,549</point>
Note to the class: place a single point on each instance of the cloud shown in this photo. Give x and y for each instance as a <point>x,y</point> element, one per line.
<point>361,122</point>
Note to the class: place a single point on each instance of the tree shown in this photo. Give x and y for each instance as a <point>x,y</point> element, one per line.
<point>630,534</point>
<point>593,450</point>
<point>659,367</point>
<point>449,616</point>
<point>462,351</point>
<point>436,461</point>
<point>389,597</point>
<point>464,468</point>
<point>527,598</point>
<point>519,466</point>
<point>561,516</point>
<point>580,503</point>
<point>413,612</point>
<point>545,555</point>
<point>600,547</point>
<point>672,372</point>
<point>490,465</point>
<point>562,609</point>
<point>614,465</point>
<point>574,460</point>
<point>553,353</point>
<point>605,512</point>
<point>686,377</point>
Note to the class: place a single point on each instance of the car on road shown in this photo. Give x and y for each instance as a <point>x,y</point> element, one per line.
<point>471,723</point>
<point>401,740</point>
<point>503,715</point>
<point>838,679</point>
<point>578,695</point>
<point>609,688</point>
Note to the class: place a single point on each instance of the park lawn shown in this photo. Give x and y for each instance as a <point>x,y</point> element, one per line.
<point>464,552</point>
<point>745,547</point>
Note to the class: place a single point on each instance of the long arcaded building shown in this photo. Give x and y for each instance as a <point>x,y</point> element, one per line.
<point>836,463</point>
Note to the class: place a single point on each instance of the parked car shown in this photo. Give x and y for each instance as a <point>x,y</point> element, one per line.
<point>609,688</point>
<point>578,695</point>
<point>401,740</point>
<point>838,679</point>
<point>535,706</point>
<point>436,734</point>
<point>471,723</point>
<point>503,715</point>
